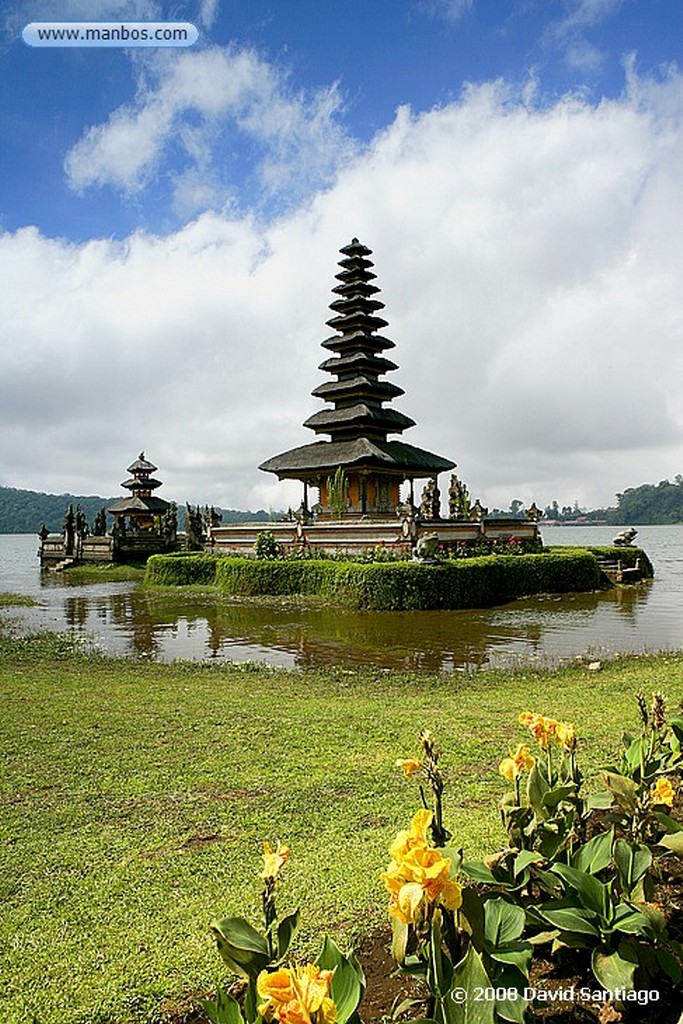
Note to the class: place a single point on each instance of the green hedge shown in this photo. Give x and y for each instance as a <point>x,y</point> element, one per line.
<point>184,569</point>
<point>468,583</point>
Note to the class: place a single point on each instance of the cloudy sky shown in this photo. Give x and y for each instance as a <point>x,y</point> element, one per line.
<point>170,221</point>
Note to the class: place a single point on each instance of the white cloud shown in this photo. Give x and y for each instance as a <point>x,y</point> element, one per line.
<point>570,33</point>
<point>208,12</point>
<point>451,10</point>
<point>530,261</point>
<point>194,100</point>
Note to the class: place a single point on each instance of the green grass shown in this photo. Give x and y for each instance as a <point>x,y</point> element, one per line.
<point>134,798</point>
<point>103,573</point>
<point>12,600</point>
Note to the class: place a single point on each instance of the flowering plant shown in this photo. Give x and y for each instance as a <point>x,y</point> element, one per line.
<point>456,938</point>
<point>327,992</point>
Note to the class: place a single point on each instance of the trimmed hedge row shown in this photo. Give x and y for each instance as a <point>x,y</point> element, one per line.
<point>184,569</point>
<point>470,583</point>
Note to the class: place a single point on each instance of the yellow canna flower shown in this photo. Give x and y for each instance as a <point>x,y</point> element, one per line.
<point>662,792</point>
<point>418,875</point>
<point>565,734</point>
<point>415,836</point>
<point>296,995</point>
<point>274,860</point>
<point>542,729</point>
<point>409,765</point>
<point>521,760</point>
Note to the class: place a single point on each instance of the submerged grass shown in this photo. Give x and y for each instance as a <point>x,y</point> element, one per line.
<point>14,600</point>
<point>135,796</point>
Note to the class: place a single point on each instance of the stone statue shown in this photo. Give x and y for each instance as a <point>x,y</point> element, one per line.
<point>458,499</point>
<point>625,538</point>
<point>194,528</point>
<point>169,523</point>
<point>302,514</point>
<point>430,500</point>
<point>533,512</point>
<point>68,528</point>
<point>426,548</point>
<point>477,512</point>
<point>99,526</point>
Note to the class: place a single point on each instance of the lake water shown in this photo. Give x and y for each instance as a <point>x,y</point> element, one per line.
<point>126,619</point>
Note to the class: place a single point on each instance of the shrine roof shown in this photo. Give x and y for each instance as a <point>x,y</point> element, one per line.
<point>359,452</point>
<point>138,504</point>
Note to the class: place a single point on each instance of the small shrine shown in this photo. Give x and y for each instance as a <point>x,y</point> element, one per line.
<point>140,511</point>
<point>359,471</point>
<point>143,525</point>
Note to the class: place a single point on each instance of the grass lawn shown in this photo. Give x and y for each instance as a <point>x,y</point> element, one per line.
<point>134,799</point>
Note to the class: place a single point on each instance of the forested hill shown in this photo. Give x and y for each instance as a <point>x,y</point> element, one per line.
<point>651,503</point>
<point>26,511</point>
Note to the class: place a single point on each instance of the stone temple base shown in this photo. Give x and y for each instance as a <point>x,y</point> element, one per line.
<point>355,537</point>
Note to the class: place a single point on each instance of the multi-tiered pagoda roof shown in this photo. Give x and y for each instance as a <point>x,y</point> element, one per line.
<point>357,417</point>
<point>141,484</point>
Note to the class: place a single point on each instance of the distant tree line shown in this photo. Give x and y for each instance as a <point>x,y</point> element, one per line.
<point>26,511</point>
<point>649,504</point>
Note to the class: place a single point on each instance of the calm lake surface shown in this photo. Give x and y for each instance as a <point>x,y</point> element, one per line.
<point>125,619</point>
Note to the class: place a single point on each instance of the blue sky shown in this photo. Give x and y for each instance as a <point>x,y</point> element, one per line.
<point>171,218</point>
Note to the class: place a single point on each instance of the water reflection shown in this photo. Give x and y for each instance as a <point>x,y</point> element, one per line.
<point>124,618</point>
<point>170,626</point>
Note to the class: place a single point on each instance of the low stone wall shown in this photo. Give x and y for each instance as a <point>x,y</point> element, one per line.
<point>91,549</point>
<point>357,536</point>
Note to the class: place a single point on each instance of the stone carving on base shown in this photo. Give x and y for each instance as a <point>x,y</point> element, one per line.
<point>69,527</point>
<point>625,538</point>
<point>458,499</point>
<point>477,512</point>
<point>426,548</point>
<point>430,501</point>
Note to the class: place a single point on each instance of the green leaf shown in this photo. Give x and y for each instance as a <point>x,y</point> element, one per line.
<point>623,789</point>
<point>594,855</point>
<point>669,823</point>
<point>593,894</point>
<point>455,857</point>
<point>670,965</point>
<point>632,921</point>
<point>537,787</point>
<point>570,919</point>
<point>251,1001</point>
<point>478,872</point>
<point>677,728</point>
<point>224,1010</point>
<point>599,801</point>
<point>556,795</point>
<point>503,922</point>
<point>244,949</point>
<point>524,859</point>
<point>612,970</point>
<point>440,967</point>
<point>632,860</point>
<point>348,982</point>
<point>285,932</point>
<point>673,841</point>
<point>468,975</point>
<point>516,954</point>
<point>508,977</point>
<point>399,940</point>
